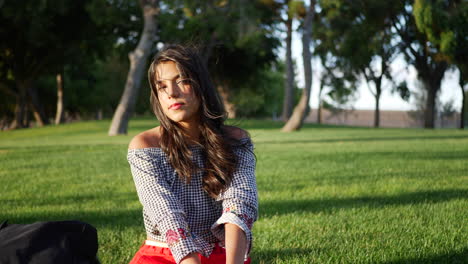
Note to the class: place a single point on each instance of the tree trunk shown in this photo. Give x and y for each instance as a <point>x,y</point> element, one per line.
<point>462,113</point>
<point>20,108</point>
<point>59,113</point>
<point>319,112</point>
<point>302,109</point>
<point>433,79</point>
<point>289,82</point>
<point>429,113</point>
<point>138,59</point>
<point>320,103</point>
<point>377,111</point>
<point>37,108</point>
<point>229,107</point>
<point>27,116</point>
<point>378,94</point>
<point>378,88</point>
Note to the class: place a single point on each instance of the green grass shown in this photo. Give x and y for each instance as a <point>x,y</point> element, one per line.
<point>327,194</point>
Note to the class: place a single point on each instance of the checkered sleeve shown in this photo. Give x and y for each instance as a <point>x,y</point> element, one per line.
<point>240,200</point>
<point>162,206</point>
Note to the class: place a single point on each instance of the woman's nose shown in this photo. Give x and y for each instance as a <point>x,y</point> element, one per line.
<point>173,89</point>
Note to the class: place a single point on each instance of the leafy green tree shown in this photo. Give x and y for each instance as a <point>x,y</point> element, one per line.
<point>336,87</point>
<point>444,24</point>
<point>40,37</point>
<point>346,26</point>
<point>419,52</point>
<point>331,45</point>
<point>236,39</point>
<point>264,101</point>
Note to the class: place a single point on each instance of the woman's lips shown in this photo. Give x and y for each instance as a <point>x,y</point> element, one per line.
<point>176,106</point>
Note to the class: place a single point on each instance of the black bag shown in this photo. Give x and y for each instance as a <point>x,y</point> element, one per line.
<point>64,242</point>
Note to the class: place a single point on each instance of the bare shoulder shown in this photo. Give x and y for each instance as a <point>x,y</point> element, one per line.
<point>235,132</point>
<point>146,139</point>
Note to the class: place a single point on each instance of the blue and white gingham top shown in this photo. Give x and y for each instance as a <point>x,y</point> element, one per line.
<point>183,215</point>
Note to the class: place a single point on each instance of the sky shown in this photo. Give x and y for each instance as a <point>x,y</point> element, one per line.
<point>450,90</point>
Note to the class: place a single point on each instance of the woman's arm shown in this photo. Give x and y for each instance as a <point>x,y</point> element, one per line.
<point>240,204</point>
<point>191,259</point>
<point>163,207</point>
<point>236,244</point>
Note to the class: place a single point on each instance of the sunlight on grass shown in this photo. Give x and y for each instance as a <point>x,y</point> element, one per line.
<point>327,194</point>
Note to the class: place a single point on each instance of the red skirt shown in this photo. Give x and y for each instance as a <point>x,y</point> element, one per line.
<point>162,255</point>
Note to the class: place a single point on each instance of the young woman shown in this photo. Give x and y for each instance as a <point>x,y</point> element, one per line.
<point>194,176</point>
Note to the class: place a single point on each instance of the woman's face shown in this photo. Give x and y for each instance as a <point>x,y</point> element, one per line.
<point>176,96</point>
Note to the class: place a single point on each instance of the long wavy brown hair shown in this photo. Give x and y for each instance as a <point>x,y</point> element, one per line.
<point>216,143</point>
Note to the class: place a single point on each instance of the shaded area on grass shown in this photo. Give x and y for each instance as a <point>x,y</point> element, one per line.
<point>391,156</point>
<point>361,139</point>
<point>105,218</point>
<point>53,200</point>
<point>271,208</point>
<point>268,124</point>
<point>55,208</point>
<point>451,257</point>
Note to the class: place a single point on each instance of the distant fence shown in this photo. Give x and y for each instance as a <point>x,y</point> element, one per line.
<point>403,119</point>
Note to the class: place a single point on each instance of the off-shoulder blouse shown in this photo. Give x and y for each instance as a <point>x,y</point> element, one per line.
<point>183,215</point>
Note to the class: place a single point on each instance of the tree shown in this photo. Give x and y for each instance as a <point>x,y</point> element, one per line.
<point>40,37</point>
<point>59,111</point>
<point>349,24</point>
<point>236,39</point>
<point>138,61</point>
<point>293,9</point>
<point>327,79</point>
<point>267,97</point>
<point>340,81</point>
<point>443,23</point>
<point>289,81</point>
<point>419,52</point>
<point>302,109</point>
<point>235,50</point>
<point>332,45</point>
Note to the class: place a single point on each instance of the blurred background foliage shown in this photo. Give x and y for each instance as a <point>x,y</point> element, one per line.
<point>87,43</point>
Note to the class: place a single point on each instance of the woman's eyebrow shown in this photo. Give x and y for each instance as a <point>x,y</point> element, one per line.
<point>173,78</point>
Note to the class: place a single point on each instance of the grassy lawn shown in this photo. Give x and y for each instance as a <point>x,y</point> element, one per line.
<point>327,194</point>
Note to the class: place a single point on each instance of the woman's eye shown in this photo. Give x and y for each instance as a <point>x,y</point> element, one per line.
<point>183,81</point>
<point>160,86</point>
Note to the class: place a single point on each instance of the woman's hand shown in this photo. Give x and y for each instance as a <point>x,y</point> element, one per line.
<point>236,244</point>
<point>191,258</point>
